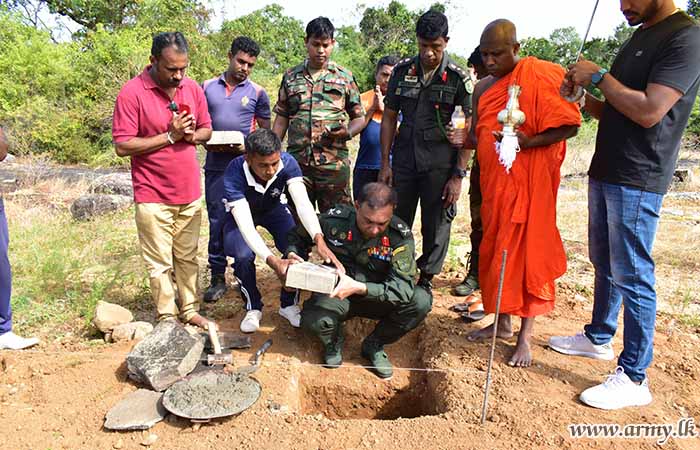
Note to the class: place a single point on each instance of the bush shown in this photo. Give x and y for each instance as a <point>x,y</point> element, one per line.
<point>694,122</point>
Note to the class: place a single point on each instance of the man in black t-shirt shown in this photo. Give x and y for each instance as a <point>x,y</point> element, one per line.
<point>649,93</point>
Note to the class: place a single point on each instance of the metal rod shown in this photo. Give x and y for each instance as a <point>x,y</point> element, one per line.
<point>588,30</point>
<point>493,338</point>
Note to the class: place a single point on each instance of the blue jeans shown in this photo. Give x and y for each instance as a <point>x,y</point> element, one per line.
<point>622,224</point>
<point>5,275</point>
<point>279,222</point>
<point>214,193</point>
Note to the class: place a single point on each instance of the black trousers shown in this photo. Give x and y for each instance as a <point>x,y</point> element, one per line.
<point>360,177</point>
<point>436,221</point>
<point>475,210</point>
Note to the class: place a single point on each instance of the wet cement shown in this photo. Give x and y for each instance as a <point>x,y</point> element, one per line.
<point>211,394</point>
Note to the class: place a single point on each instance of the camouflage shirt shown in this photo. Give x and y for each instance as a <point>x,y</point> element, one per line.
<point>386,263</point>
<point>314,106</point>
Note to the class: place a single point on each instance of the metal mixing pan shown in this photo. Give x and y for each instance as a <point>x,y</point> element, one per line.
<point>216,393</point>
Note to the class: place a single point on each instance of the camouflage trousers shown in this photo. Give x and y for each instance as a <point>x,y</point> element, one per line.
<point>327,185</point>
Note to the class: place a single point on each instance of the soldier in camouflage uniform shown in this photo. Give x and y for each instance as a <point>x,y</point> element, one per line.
<point>319,104</point>
<point>377,250</point>
<point>426,167</point>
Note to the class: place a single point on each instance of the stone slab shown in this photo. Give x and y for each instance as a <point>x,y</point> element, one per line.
<point>139,410</point>
<point>164,356</point>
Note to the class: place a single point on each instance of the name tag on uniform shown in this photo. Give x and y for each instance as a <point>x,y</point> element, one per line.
<point>410,79</point>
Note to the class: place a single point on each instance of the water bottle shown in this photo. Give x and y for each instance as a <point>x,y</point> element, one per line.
<point>459,120</point>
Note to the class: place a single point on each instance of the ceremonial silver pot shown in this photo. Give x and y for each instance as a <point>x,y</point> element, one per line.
<point>511,117</point>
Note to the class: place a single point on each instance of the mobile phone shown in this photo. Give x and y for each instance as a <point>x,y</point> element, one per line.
<point>184,109</point>
<point>335,126</point>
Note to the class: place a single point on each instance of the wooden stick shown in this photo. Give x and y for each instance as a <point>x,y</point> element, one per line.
<point>493,339</point>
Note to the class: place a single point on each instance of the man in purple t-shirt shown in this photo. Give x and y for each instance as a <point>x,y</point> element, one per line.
<point>235,104</point>
<point>158,118</point>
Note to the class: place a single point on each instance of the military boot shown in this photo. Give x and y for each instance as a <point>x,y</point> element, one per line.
<point>471,281</point>
<point>333,351</point>
<point>217,289</point>
<point>379,361</point>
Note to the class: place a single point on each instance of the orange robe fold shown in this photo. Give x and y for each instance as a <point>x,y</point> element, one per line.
<point>519,208</point>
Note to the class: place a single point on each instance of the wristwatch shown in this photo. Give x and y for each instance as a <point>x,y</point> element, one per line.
<point>597,77</point>
<point>461,173</point>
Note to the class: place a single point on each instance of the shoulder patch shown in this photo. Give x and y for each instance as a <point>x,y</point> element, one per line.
<point>461,72</point>
<point>469,86</point>
<point>404,62</point>
<point>340,211</point>
<point>400,226</point>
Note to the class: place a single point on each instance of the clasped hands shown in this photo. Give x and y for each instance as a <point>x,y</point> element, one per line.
<point>182,126</point>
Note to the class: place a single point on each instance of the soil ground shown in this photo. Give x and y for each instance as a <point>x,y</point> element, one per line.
<point>56,397</point>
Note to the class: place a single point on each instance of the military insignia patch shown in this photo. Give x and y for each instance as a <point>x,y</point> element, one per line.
<point>410,79</point>
<point>342,235</point>
<point>245,100</point>
<point>469,86</point>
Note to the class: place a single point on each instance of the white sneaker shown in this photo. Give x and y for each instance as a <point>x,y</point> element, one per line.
<point>11,341</point>
<point>251,321</point>
<point>292,314</point>
<point>617,392</point>
<point>580,345</point>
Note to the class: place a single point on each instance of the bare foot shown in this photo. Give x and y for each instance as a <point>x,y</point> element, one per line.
<point>200,321</point>
<point>504,331</point>
<point>522,357</point>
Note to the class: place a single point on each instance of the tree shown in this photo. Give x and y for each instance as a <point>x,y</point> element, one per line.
<point>89,13</point>
<point>694,8</point>
<point>560,47</point>
<point>281,38</point>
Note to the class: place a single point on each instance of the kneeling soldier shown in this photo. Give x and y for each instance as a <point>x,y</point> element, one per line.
<point>377,250</point>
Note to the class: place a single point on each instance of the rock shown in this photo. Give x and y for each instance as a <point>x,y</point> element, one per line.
<point>130,331</point>
<point>119,444</point>
<point>149,440</point>
<point>683,175</point>
<point>165,355</point>
<point>139,410</point>
<point>88,206</point>
<point>109,315</point>
<point>113,183</point>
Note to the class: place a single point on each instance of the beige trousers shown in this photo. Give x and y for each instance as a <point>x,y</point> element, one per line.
<point>169,235</point>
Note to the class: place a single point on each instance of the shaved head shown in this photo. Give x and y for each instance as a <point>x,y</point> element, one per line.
<point>500,31</point>
<point>499,47</point>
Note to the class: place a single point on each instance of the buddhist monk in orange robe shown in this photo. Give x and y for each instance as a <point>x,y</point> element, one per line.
<point>519,205</point>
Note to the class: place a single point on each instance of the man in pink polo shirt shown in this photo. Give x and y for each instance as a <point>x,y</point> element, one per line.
<point>159,116</point>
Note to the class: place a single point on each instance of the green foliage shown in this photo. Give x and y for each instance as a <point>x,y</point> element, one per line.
<point>57,98</point>
<point>694,122</point>
<point>281,38</point>
<point>563,43</point>
<point>694,8</point>
<point>91,13</point>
